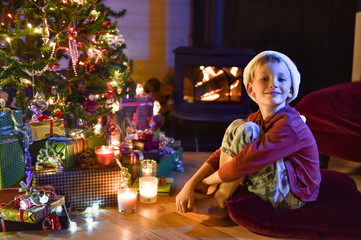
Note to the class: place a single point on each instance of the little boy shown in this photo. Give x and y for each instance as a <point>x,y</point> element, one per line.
<point>273,153</point>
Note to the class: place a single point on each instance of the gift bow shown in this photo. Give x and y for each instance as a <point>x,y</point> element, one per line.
<point>43,117</point>
<point>51,222</point>
<point>38,196</point>
<point>52,154</point>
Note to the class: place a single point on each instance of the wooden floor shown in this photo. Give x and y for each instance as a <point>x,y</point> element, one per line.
<point>161,220</point>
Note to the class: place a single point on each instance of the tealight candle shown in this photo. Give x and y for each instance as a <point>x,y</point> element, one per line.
<point>104,155</point>
<point>127,200</point>
<point>148,187</point>
<point>148,168</point>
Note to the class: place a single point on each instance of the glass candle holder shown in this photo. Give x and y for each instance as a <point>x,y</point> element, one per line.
<point>126,178</point>
<point>148,168</point>
<point>104,155</point>
<point>148,187</point>
<point>127,200</point>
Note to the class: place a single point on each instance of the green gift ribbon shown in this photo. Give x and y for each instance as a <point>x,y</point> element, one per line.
<point>51,154</point>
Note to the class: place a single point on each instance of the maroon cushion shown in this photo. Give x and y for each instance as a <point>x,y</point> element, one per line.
<point>335,215</point>
<point>334,117</point>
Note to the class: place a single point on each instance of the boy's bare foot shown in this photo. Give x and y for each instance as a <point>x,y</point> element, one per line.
<point>206,189</point>
<point>210,206</point>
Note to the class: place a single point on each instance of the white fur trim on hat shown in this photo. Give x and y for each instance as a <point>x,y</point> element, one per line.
<point>295,75</point>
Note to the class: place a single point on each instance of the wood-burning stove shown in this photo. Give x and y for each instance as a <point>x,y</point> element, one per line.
<point>208,92</point>
<point>209,84</point>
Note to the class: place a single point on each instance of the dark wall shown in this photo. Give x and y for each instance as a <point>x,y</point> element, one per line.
<point>317,34</point>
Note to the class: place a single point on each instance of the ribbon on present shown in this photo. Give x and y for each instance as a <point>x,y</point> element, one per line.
<point>5,111</point>
<point>22,202</point>
<point>50,155</point>
<point>80,144</point>
<point>51,222</point>
<point>166,149</point>
<point>38,196</point>
<point>133,160</point>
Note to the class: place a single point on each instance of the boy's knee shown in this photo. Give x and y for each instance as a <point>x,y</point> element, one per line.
<point>250,132</point>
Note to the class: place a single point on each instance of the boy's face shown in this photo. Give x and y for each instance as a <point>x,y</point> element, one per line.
<point>271,85</point>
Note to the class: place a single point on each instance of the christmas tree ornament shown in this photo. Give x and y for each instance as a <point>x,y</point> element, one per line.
<point>45,32</point>
<point>94,14</point>
<point>110,96</point>
<point>90,105</point>
<point>115,40</point>
<point>107,23</point>
<point>73,47</point>
<point>38,105</point>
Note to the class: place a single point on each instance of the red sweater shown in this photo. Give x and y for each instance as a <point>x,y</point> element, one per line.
<point>286,137</point>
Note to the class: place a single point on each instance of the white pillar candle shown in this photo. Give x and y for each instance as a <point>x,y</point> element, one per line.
<point>127,200</point>
<point>148,187</point>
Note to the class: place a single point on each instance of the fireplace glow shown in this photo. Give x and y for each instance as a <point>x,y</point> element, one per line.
<point>211,96</point>
<point>208,74</point>
<point>211,83</point>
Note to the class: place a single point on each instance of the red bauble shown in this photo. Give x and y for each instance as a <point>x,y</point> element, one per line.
<point>107,23</point>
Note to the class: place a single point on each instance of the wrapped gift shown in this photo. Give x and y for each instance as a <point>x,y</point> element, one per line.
<point>84,187</point>
<point>12,162</point>
<point>139,110</point>
<point>44,224</point>
<point>143,145</point>
<point>33,214</point>
<point>47,128</point>
<point>10,118</point>
<point>69,149</point>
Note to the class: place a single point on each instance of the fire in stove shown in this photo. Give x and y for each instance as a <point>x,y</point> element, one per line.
<point>212,84</point>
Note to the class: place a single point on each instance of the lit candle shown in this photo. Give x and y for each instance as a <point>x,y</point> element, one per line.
<point>148,187</point>
<point>104,155</point>
<point>127,200</point>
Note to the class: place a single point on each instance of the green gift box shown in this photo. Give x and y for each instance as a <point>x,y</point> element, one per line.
<point>12,162</point>
<point>8,116</point>
<point>68,149</point>
<point>95,140</point>
<point>63,149</point>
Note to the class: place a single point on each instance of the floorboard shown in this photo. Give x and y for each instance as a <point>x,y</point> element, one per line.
<point>161,220</point>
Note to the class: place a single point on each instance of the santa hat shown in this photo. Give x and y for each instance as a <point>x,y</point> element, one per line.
<point>295,75</point>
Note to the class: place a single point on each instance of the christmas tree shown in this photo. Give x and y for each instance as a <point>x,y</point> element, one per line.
<point>65,52</point>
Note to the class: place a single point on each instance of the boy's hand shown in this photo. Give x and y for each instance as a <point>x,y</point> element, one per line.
<point>185,198</point>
